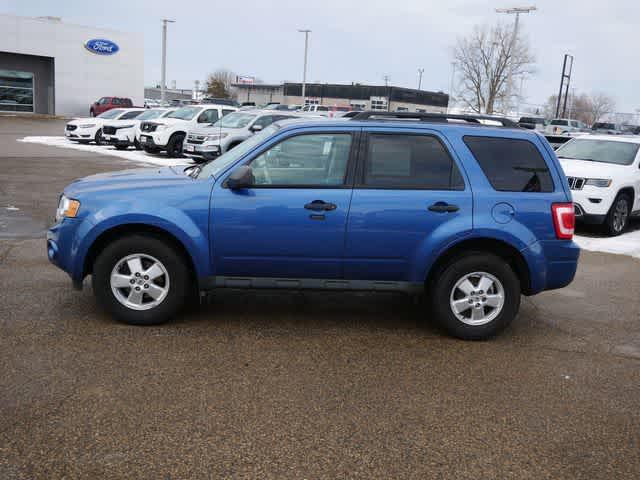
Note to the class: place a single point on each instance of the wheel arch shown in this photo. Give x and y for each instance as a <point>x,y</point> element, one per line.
<point>119,231</point>
<point>509,253</point>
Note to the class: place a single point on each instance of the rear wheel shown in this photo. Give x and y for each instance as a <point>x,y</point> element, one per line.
<point>141,280</point>
<point>476,296</point>
<point>174,146</point>
<point>618,216</point>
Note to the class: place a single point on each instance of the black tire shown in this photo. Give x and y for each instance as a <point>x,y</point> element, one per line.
<point>122,147</point>
<point>233,145</point>
<point>445,280</point>
<point>152,150</point>
<point>136,144</point>
<point>175,264</point>
<point>98,138</point>
<point>618,217</point>
<point>174,145</point>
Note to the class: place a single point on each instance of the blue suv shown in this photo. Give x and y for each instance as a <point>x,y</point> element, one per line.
<point>474,215</point>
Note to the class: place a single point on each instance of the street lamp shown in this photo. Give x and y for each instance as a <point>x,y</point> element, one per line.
<point>513,11</point>
<point>163,85</point>
<point>304,72</point>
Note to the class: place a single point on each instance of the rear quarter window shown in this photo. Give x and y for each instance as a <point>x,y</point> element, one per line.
<point>511,165</point>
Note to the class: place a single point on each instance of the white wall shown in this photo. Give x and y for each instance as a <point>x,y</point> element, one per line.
<point>81,77</point>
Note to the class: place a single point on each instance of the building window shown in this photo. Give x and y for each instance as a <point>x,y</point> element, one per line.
<point>16,91</point>
<point>379,103</point>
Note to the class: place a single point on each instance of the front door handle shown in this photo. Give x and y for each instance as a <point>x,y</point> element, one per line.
<point>320,206</point>
<point>443,207</point>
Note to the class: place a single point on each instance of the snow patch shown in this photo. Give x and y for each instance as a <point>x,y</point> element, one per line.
<point>130,154</point>
<point>625,244</point>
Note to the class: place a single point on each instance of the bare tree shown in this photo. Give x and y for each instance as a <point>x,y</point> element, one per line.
<point>219,83</point>
<point>485,59</point>
<point>586,108</point>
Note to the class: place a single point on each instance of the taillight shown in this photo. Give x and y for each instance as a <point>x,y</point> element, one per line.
<point>564,220</point>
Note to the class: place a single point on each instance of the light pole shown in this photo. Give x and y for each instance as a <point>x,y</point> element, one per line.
<point>420,72</point>
<point>453,74</point>
<point>513,11</point>
<point>163,84</point>
<point>304,72</point>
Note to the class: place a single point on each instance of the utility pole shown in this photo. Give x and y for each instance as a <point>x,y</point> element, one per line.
<point>304,72</point>
<point>513,11</point>
<point>386,80</point>
<point>163,82</point>
<point>420,72</point>
<point>565,81</point>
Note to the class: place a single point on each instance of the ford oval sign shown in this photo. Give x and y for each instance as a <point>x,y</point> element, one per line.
<point>100,46</point>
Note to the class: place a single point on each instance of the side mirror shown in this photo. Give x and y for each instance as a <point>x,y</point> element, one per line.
<point>241,177</point>
<point>256,128</point>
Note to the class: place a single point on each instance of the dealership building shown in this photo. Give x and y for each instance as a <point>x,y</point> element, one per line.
<point>51,67</point>
<point>357,96</point>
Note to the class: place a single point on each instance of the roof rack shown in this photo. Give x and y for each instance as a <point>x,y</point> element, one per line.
<point>436,118</point>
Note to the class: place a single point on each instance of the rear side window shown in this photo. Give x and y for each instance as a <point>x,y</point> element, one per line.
<point>410,161</point>
<point>511,165</point>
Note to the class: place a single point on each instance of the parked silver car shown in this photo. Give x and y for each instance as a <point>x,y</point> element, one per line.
<point>207,142</point>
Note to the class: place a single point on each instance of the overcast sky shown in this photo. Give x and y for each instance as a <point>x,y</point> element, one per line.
<point>364,40</point>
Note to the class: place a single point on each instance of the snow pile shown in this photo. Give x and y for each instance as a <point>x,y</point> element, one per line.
<point>130,154</point>
<point>626,244</point>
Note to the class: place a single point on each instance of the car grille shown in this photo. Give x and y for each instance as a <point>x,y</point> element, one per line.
<point>196,139</point>
<point>109,130</point>
<point>148,127</point>
<point>576,183</point>
<point>71,127</point>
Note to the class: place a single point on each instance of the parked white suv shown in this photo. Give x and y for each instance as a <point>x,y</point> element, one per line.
<point>207,142</point>
<point>125,133</point>
<point>604,176</point>
<point>561,126</point>
<point>89,129</point>
<point>169,133</point>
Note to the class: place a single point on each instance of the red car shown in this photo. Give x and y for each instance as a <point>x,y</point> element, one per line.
<point>107,103</point>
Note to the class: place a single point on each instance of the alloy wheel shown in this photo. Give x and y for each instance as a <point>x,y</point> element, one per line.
<point>477,298</point>
<point>139,281</point>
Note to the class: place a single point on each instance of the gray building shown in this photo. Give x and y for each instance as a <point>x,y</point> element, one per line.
<point>358,96</point>
<point>48,66</point>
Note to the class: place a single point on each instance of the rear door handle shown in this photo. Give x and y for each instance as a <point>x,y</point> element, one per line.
<point>320,206</point>
<point>443,207</point>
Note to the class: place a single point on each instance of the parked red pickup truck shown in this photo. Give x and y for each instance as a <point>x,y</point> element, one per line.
<point>107,103</point>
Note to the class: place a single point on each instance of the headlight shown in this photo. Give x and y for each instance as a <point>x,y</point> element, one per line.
<point>87,125</point>
<point>220,136</point>
<point>599,182</point>
<point>160,127</point>
<point>67,208</point>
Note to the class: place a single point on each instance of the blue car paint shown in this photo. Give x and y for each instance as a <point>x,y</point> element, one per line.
<point>374,234</point>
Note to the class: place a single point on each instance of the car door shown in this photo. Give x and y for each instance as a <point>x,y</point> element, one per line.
<point>291,222</point>
<point>410,196</point>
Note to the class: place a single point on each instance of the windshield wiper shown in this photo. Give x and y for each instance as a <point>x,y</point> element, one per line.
<point>585,159</point>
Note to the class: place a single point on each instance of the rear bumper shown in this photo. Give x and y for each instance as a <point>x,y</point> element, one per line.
<point>552,264</point>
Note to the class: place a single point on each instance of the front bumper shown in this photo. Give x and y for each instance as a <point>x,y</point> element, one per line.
<point>201,151</point>
<point>81,134</point>
<point>61,248</point>
<point>124,137</point>
<point>592,203</point>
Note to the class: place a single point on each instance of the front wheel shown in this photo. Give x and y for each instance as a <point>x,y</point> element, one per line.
<point>98,138</point>
<point>618,216</point>
<point>141,280</point>
<point>476,296</point>
<point>136,144</point>
<point>174,146</point>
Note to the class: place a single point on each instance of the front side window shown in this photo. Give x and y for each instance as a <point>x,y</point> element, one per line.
<point>263,121</point>
<point>511,165</point>
<point>311,160</point>
<point>410,161</point>
<point>208,116</point>
<point>226,111</point>
<point>602,151</point>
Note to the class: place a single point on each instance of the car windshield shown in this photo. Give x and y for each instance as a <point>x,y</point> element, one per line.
<point>214,167</point>
<point>110,114</point>
<point>235,120</point>
<point>559,122</point>
<point>149,114</point>
<point>604,151</point>
<point>185,113</point>
<point>604,126</point>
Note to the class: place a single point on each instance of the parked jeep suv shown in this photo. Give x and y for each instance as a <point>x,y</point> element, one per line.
<point>473,215</point>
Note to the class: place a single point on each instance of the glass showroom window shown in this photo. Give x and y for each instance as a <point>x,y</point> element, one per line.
<point>16,91</point>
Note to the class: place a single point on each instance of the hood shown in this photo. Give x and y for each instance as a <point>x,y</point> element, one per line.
<point>167,121</point>
<point>119,123</point>
<point>211,130</point>
<point>129,182</point>
<point>587,169</point>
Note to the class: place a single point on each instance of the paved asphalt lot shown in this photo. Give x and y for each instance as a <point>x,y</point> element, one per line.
<point>300,385</point>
